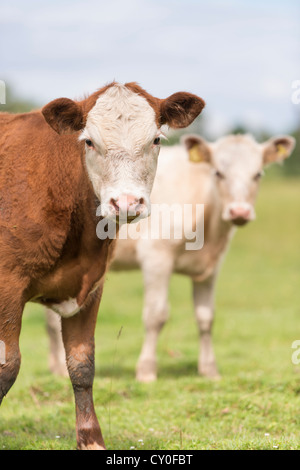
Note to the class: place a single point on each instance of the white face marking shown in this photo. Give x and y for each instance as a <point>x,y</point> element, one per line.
<point>123,161</point>
<point>67,308</point>
<point>238,164</point>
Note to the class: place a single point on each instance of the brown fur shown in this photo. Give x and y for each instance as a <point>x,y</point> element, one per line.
<point>49,248</point>
<point>180,109</point>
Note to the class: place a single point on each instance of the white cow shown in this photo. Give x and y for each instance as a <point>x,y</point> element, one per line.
<point>224,176</point>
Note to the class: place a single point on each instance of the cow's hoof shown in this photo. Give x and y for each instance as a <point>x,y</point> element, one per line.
<point>210,371</point>
<point>146,371</point>
<point>146,378</point>
<point>93,446</point>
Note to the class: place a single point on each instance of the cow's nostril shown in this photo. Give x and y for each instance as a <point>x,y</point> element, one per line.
<point>114,203</point>
<point>141,201</point>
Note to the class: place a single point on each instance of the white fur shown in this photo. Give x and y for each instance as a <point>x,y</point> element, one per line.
<point>239,158</point>
<point>67,308</point>
<point>122,128</point>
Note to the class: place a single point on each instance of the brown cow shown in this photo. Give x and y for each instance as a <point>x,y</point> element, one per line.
<point>56,166</point>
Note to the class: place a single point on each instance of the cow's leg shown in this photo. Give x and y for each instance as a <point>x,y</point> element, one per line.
<point>11,309</point>
<point>78,336</point>
<point>155,315</point>
<point>203,293</point>
<point>57,355</point>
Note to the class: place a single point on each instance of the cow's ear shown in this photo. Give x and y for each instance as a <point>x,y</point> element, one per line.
<point>64,116</point>
<point>277,149</point>
<point>180,109</point>
<point>198,149</point>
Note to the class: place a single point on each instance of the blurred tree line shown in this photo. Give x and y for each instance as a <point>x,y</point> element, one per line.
<point>15,104</point>
<point>291,167</point>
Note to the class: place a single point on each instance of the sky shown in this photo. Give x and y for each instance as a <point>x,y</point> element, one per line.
<point>240,56</point>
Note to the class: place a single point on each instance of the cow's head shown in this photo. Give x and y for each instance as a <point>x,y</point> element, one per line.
<point>237,163</point>
<point>121,128</point>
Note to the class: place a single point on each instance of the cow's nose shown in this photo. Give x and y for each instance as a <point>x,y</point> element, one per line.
<point>128,206</point>
<point>240,215</point>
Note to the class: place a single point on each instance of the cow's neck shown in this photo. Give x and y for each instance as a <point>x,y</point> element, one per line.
<point>215,226</point>
<point>77,257</point>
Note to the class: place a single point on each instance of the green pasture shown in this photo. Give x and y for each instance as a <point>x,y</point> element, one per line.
<point>256,403</point>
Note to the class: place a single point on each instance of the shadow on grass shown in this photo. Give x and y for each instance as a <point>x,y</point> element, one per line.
<point>165,371</point>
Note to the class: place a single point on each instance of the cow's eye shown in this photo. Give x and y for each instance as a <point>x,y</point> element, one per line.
<point>219,175</point>
<point>89,143</point>
<point>156,141</point>
<point>258,176</point>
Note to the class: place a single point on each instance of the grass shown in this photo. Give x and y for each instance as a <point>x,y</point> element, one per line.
<point>255,404</point>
